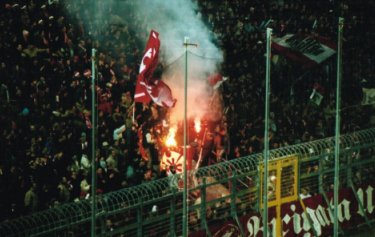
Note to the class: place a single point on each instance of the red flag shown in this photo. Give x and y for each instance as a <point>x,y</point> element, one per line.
<point>147,67</point>
<point>141,95</point>
<point>147,89</point>
<point>161,94</point>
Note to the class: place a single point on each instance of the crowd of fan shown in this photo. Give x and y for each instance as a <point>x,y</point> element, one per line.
<point>45,75</point>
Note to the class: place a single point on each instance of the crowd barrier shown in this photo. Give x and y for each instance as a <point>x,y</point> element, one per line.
<point>226,197</point>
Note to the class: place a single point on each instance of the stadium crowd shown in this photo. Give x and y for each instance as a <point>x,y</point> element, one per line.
<point>45,76</point>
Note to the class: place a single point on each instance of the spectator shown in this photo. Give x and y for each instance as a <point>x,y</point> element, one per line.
<point>63,191</point>
<point>112,160</point>
<point>304,193</point>
<point>85,163</point>
<point>117,133</point>
<point>46,124</point>
<point>31,199</point>
<point>85,187</point>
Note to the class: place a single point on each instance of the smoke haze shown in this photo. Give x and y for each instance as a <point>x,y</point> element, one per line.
<point>174,20</point>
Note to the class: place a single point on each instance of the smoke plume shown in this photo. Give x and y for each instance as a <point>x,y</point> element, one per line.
<point>174,20</point>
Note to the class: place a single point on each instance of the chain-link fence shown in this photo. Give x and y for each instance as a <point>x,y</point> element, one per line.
<point>217,193</point>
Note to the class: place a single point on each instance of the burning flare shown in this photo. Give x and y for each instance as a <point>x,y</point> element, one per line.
<point>171,141</point>
<point>197,125</point>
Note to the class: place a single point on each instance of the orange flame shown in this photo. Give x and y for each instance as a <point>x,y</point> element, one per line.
<point>171,141</point>
<point>197,125</point>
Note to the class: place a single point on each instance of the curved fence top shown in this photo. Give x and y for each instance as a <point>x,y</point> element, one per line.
<point>71,213</point>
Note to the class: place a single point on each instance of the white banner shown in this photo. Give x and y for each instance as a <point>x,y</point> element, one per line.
<point>306,49</point>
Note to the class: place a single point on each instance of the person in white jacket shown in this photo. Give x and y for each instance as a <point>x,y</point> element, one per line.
<point>117,133</point>
<point>85,162</point>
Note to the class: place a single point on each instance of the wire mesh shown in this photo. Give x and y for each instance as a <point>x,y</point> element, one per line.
<point>121,206</point>
<point>287,181</point>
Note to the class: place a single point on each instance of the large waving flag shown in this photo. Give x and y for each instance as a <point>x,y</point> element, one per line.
<point>147,67</point>
<point>148,89</point>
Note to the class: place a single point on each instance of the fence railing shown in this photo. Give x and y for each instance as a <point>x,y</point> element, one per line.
<point>217,193</point>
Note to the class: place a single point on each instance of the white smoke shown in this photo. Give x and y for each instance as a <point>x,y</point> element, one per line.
<point>175,20</point>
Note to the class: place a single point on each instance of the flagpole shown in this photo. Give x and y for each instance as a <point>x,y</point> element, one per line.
<point>266,135</point>
<point>337,129</point>
<point>93,144</point>
<point>185,192</point>
<point>133,111</point>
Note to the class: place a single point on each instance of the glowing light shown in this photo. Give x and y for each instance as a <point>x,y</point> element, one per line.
<point>197,125</point>
<point>171,141</point>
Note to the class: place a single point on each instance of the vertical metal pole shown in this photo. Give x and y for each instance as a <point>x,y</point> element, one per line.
<point>266,128</point>
<point>337,129</point>
<point>172,218</point>
<point>233,196</point>
<point>93,143</point>
<point>203,207</point>
<point>185,192</point>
